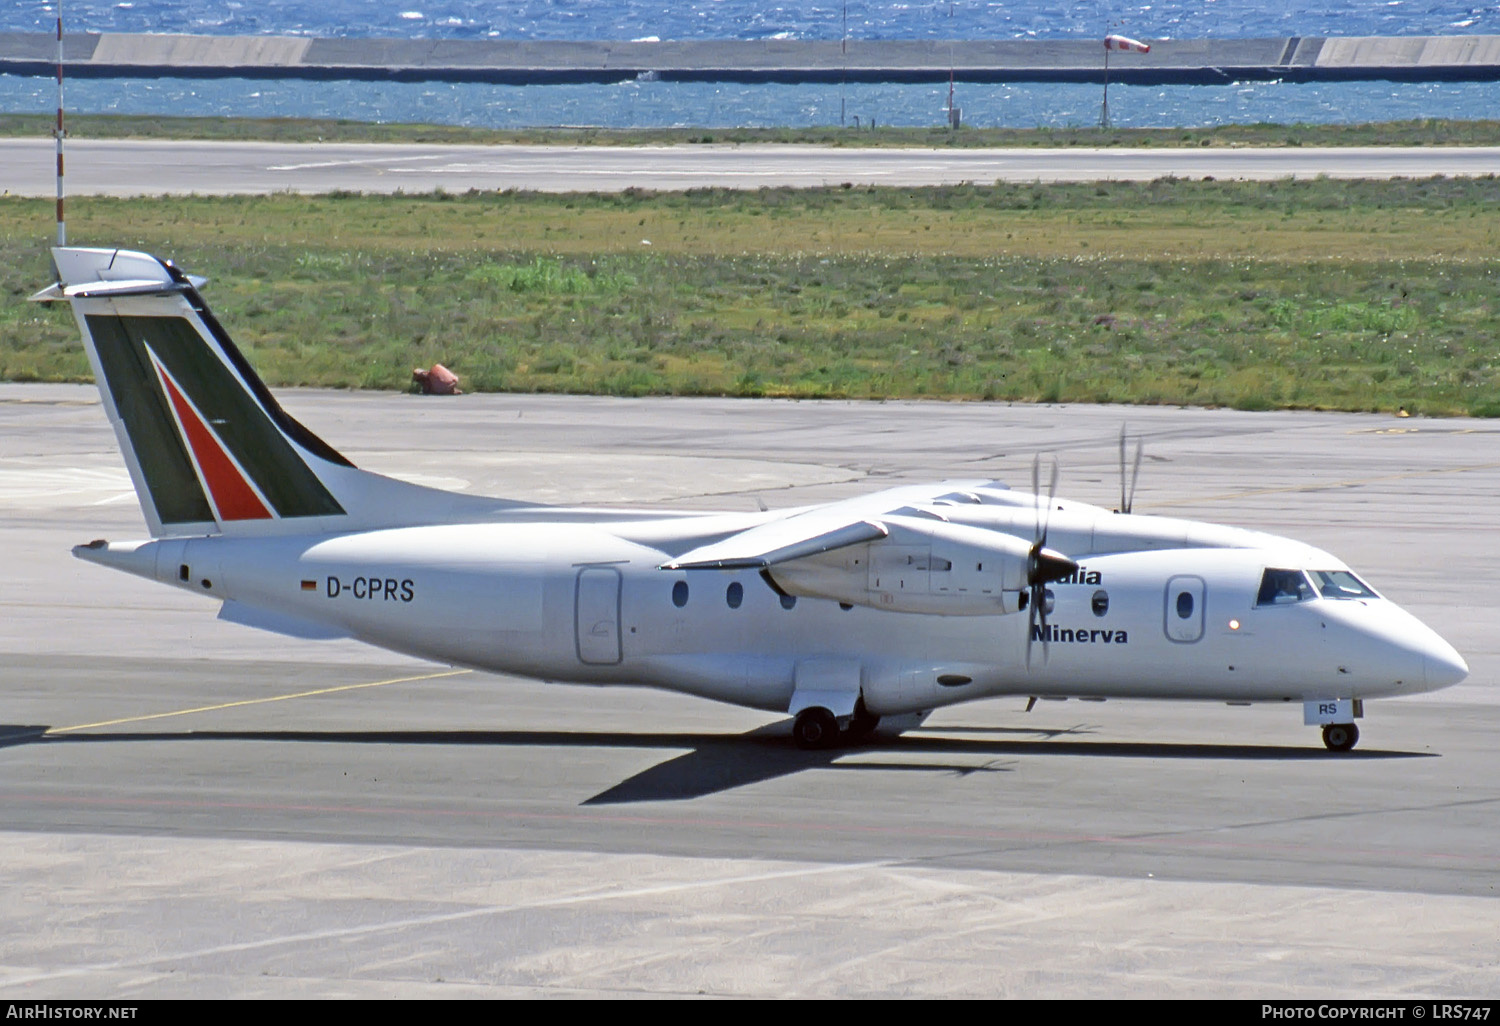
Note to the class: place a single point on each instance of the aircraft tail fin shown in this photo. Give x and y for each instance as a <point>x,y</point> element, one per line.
<point>208,447</point>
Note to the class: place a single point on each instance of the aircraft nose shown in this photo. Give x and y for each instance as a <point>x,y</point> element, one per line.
<point>1393,647</point>
<point>1442,665</point>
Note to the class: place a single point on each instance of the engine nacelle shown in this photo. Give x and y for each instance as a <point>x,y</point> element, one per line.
<point>921,566</point>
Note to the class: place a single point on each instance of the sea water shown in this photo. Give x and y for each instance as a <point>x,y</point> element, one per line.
<point>634,102</point>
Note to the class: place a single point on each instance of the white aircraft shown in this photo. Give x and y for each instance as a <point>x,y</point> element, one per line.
<point>882,607</point>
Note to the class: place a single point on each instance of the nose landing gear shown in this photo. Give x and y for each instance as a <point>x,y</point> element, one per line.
<point>1336,716</point>
<point>1340,737</point>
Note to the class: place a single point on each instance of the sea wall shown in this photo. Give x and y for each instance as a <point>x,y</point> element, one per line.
<point>1190,61</point>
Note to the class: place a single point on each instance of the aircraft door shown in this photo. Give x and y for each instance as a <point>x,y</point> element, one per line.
<point>1184,608</point>
<point>597,615</point>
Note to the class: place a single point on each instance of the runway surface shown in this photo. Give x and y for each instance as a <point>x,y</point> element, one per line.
<point>155,167</point>
<point>191,808</point>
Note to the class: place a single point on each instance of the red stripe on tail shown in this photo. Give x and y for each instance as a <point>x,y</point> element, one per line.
<point>232,494</point>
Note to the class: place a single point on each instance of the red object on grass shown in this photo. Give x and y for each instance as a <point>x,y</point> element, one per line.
<point>438,381</point>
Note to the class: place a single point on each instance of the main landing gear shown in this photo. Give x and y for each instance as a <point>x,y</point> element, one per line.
<point>1340,737</point>
<point>817,728</point>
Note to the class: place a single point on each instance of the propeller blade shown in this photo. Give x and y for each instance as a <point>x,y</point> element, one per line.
<point>1036,615</point>
<point>1041,602</point>
<point>1127,494</point>
<point>1124,500</point>
<point>1036,494</point>
<point>1030,632</point>
<point>1042,564</point>
<point>1135,475</point>
<point>1051,493</point>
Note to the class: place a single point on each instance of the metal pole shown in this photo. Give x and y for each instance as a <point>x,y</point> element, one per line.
<point>951,125</point>
<point>62,227</point>
<point>844,52</point>
<point>1104,110</point>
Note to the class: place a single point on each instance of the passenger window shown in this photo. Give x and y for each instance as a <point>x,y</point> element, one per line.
<point>735,594</point>
<point>1341,584</point>
<point>679,594</point>
<point>1283,587</point>
<point>1100,602</point>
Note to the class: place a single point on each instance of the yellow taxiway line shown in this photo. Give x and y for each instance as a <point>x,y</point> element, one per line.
<point>257,701</point>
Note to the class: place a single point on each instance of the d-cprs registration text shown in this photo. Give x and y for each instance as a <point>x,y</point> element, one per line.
<point>79,1012</point>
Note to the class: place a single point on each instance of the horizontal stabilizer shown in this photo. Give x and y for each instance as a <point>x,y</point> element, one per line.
<point>110,289</point>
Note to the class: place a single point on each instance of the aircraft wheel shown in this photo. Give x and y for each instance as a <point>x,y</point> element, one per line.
<point>1340,737</point>
<point>815,728</point>
<point>862,724</point>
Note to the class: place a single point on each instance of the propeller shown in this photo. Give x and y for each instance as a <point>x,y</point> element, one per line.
<point>1127,497</point>
<point>1042,564</point>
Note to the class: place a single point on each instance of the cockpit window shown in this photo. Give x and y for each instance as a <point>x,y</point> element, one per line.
<point>1282,587</point>
<point>1341,584</point>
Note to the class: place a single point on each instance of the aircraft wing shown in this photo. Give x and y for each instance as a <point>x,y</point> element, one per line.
<point>758,547</point>
<point>815,531</point>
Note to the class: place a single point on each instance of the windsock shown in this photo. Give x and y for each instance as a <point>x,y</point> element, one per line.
<point>1126,43</point>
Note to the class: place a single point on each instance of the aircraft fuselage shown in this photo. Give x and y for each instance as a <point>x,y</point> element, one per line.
<point>576,602</point>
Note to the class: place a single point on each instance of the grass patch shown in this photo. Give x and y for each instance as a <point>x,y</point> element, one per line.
<point>548,277</point>
<point>1315,294</point>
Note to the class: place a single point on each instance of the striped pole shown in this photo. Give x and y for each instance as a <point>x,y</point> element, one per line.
<point>62,228</point>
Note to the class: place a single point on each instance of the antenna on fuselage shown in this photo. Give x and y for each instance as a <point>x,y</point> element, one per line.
<point>62,224</point>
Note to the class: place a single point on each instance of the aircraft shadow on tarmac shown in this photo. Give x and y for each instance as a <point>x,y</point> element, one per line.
<point>722,762</point>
